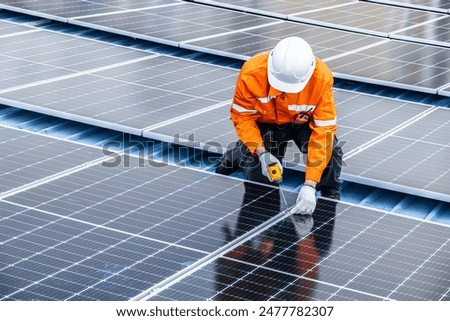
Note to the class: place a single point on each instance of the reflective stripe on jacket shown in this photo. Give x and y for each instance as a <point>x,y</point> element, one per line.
<point>255,101</point>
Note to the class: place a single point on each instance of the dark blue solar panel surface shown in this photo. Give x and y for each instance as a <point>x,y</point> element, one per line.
<point>426,171</point>
<point>117,229</point>
<point>351,253</point>
<point>95,234</point>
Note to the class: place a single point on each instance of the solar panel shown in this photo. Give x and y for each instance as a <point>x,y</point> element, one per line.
<point>435,32</point>
<point>211,130</point>
<point>172,25</point>
<point>430,5</point>
<point>114,231</point>
<point>211,27</point>
<point>62,10</point>
<point>280,9</point>
<point>347,15</point>
<point>241,35</point>
<point>364,117</point>
<point>395,63</point>
<point>445,91</point>
<point>364,123</point>
<point>350,253</point>
<point>369,18</point>
<point>411,159</point>
<point>11,30</point>
<point>37,158</point>
<point>326,43</point>
<point>110,231</point>
<point>106,85</point>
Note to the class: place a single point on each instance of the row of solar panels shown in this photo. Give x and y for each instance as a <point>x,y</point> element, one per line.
<point>361,40</point>
<point>77,225</point>
<point>174,99</point>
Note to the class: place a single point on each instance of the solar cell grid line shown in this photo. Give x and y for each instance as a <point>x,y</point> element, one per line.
<point>37,158</point>
<point>356,253</point>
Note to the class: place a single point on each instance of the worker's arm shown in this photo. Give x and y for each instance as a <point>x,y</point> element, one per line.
<point>323,126</point>
<point>244,115</point>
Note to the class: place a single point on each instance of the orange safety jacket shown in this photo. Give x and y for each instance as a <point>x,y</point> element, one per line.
<point>256,101</point>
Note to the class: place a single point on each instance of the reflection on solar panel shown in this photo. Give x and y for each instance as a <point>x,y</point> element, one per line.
<point>106,85</point>
<point>351,253</point>
<point>37,158</point>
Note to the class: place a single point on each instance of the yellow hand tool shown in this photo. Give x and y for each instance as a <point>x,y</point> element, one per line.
<point>275,175</point>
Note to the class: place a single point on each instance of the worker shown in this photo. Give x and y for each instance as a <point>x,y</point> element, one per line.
<point>287,94</point>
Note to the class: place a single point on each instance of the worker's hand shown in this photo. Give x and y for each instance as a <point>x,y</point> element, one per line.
<point>306,201</point>
<point>266,158</point>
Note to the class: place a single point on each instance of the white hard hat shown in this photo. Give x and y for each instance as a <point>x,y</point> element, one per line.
<point>291,64</point>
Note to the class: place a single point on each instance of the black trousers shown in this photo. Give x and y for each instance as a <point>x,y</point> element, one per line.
<point>276,138</point>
